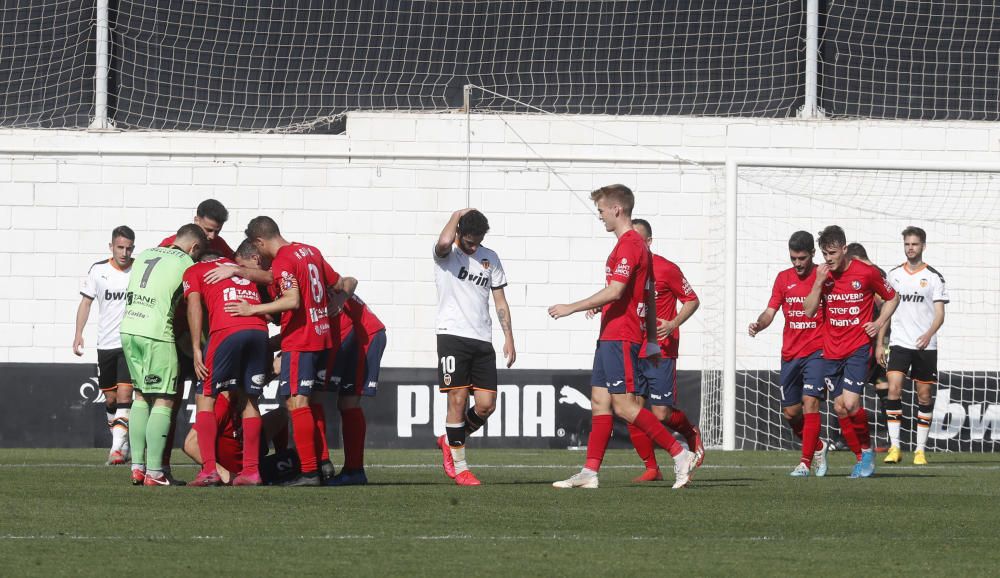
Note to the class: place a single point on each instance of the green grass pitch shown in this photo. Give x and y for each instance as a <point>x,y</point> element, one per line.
<point>63,514</point>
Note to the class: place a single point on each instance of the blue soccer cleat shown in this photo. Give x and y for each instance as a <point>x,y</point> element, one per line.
<point>867,463</point>
<point>819,459</point>
<point>856,470</point>
<point>348,478</point>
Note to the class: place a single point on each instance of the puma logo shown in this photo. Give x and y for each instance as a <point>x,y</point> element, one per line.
<point>568,395</point>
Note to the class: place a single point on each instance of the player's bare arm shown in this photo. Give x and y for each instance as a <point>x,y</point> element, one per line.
<point>882,344</point>
<point>82,314</point>
<point>763,321</point>
<point>195,316</point>
<point>924,340</point>
<point>222,272</point>
<point>503,314</point>
<point>449,233</point>
<point>811,305</point>
<point>873,328</point>
<point>664,327</point>
<point>289,300</point>
<point>612,292</point>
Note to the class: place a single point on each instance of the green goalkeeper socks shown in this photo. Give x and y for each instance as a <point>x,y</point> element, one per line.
<point>137,430</point>
<point>156,437</point>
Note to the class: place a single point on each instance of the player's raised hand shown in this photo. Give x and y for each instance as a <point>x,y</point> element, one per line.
<point>558,311</point>
<point>822,272</point>
<point>220,273</point>
<point>199,365</point>
<point>78,346</point>
<point>753,329</point>
<point>239,308</point>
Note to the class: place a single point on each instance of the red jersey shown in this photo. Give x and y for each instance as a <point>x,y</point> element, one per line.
<point>357,316</point>
<point>216,245</point>
<point>215,296</point>
<point>848,302</point>
<point>629,263</point>
<point>802,336</point>
<point>306,328</point>
<point>671,288</point>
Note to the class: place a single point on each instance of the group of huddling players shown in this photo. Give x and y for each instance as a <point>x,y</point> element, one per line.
<point>837,341</point>
<point>193,309</point>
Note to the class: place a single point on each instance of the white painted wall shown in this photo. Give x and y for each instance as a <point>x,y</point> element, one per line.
<point>375,219</point>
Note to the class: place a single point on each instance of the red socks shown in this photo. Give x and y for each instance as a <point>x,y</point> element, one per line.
<point>808,432</point>
<point>597,444</point>
<point>860,419</point>
<point>798,426</point>
<point>678,422</point>
<point>304,432</point>
<point>354,427</point>
<point>208,431</point>
<point>850,435</point>
<point>649,425</point>
<point>319,440</point>
<point>643,446</point>
<point>251,445</point>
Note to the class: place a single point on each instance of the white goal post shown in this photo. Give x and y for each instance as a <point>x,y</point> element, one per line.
<point>958,203</point>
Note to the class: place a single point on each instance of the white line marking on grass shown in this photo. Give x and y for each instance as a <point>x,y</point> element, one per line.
<point>935,467</point>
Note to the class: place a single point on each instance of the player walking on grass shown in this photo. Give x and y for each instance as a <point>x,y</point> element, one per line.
<point>845,288</point>
<point>107,282</point>
<point>670,287</point>
<point>913,342</point>
<point>628,320</point>
<point>147,332</point>
<point>465,279</point>
<point>236,358</point>
<point>302,278</point>
<point>802,365</point>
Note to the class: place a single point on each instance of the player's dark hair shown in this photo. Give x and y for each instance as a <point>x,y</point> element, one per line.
<point>832,236</point>
<point>857,250</point>
<point>912,231</point>
<point>473,223</point>
<point>209,254</point>
<point>212,209</point>
<point>247,250</point>
<point>123,231</point>
<point>617,193</point>
<point>262,227</point>
<point>192,232</point>
<point>800,241</point>
<point>645,225</point>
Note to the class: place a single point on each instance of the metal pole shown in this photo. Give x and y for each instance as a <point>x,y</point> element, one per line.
<point>467,103</point>
<point>729,315</point>
<point>810,109</point>
<point>100,120</point>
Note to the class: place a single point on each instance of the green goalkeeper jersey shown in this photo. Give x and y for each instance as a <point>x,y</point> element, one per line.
<point>154,288</point>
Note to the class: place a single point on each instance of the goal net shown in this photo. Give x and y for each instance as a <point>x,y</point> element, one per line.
<point>960,211</point>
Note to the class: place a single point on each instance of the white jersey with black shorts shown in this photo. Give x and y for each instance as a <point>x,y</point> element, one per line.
<point>466,357</point>
<point>918,291</point>
<point>107,284</point>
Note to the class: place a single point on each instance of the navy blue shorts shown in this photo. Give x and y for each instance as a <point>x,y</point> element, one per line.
<point>615,364</point>
<point>661,381</point>
<point>803,376</point>
<point>300,371</point>
<point>850,373</point>
<point>237,360</point>
<point>353,360</point>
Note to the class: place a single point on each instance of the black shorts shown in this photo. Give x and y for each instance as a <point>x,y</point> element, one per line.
<point>876,373</point>
<point>917,364</point>
<point>464,362</point>
<point>111,369</point>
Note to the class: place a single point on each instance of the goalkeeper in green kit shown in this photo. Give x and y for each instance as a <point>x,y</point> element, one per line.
<point>154,289</point>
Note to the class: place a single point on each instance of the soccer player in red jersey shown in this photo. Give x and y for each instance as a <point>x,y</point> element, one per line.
<point>845,288</point>
<point>628,320</point>
<point>353,367</point>
<point>236,357</point>
<point>802,365</point>
<point>671,287</point>
<point>302,278</point>
<point>211,216</point>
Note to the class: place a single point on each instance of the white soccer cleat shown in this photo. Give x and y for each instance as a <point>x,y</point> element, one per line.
<point>683,466</point>
<point>578,480</point>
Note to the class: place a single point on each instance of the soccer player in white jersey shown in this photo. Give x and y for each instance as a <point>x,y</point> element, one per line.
<point>106,283</point>
<point>466,274</point>
<point>913,341</point>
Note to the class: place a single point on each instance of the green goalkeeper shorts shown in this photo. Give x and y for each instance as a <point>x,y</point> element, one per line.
<point>152,363</point>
